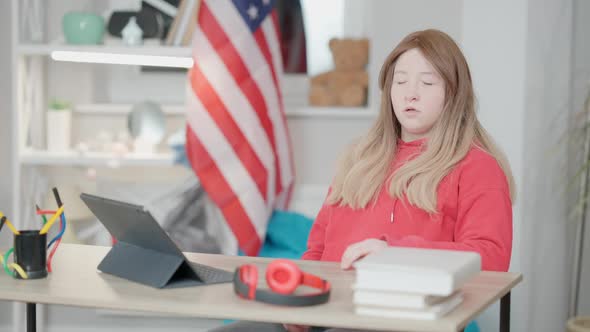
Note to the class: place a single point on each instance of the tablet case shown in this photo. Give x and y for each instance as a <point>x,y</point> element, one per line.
<point>143,251</point>
<point>148,267</point>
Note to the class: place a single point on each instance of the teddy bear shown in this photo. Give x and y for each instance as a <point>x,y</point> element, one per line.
<point>346,84</point>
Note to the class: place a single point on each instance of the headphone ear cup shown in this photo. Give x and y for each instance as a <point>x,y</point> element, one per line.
<point>283,276</point>
<point>249,275</point>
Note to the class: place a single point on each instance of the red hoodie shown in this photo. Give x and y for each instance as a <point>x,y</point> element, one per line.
<point>474,214</point>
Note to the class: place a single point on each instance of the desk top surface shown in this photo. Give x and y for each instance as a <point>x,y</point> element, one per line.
<point>75,282</point>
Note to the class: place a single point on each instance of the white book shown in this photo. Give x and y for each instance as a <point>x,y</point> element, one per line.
<point>417,270</point>
<point>432,313</point>
<point>365,297</point>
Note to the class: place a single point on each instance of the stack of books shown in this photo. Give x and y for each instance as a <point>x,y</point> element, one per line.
<point>412,283</point>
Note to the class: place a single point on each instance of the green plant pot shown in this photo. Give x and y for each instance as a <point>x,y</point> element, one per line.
<point>83,28</point>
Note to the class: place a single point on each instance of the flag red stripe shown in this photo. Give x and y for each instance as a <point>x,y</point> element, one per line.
<point>266,51</point>
<point>235,65</point>
<point>275,24</point>
<point>260,39</point>
<point>230,129</point>
<point>222,194</point>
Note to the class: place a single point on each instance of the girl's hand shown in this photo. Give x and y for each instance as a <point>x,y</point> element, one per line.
<point>359,250</point>
<point>296,328</point>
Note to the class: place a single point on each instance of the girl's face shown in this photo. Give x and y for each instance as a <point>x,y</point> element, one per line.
<point>417,95</point>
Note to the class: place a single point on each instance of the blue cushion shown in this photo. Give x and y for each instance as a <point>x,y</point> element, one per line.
<point>472,327</point>
<point>286,235</point>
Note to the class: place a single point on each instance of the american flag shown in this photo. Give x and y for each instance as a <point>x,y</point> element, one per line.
<point>237,140</point>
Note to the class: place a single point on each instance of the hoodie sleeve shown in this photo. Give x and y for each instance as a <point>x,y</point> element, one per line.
<point>484,218</point>
<point>315,242</point>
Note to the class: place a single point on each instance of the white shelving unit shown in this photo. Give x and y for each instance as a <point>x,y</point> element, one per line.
<point>30,81</point>
<point>29,54</point>
<point>31,61</point>
<point>149,49</point>
<point>291,112</point>
<point>34,53</point>
<point>94,159</point>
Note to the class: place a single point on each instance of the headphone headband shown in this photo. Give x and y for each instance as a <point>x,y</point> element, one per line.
<point>247,288</point>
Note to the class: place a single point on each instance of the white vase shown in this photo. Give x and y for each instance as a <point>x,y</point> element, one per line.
<point>59,130</point>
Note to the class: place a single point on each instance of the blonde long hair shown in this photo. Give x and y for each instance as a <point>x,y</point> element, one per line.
<point>363,168</point>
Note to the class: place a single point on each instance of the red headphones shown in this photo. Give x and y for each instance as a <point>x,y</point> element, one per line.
<point>283,277</point>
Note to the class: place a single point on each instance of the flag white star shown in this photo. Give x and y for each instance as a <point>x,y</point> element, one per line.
<point>252,12</point>
<point>266,2</point>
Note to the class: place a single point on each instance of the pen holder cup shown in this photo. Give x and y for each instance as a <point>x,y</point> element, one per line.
<point>30,252</point>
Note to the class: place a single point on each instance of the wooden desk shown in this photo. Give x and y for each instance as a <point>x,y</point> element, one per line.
<point>75,282</point>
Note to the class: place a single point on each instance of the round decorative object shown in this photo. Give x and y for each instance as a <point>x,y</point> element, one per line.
<point>83,28</point>
<point>146,123</point>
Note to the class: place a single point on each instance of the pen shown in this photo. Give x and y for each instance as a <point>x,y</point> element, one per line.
<point>57,198</point>
<point>39,211</point>
<point>52,220</point>
<point>5,221</point>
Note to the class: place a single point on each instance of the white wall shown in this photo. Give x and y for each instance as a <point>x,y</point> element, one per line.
<point>581,88</point>
<point>521,69</point>
<point>391,20</point>
<point>5,138</point>
<point>487,46</point>
<point>548,102</point>
<point>5,112</point>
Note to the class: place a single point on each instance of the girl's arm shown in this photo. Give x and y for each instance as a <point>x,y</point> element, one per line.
<point>315,242</point>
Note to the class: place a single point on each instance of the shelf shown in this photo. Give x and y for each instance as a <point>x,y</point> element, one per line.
<point>122,109</point>
<point>331,112</point>
<point>94,159</point>
<point>116,48</point>
<point>153,48</point>
<point>179,109</point>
